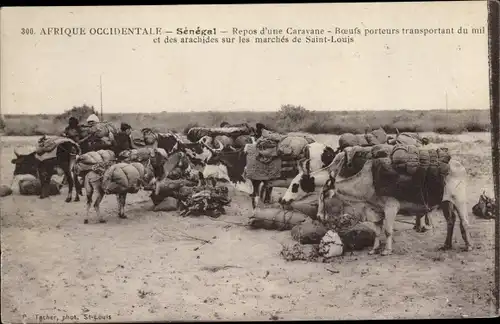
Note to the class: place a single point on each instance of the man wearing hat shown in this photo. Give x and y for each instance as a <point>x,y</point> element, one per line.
<point>123,140</point>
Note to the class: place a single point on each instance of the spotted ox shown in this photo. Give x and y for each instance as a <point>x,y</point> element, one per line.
<point>229,166</point>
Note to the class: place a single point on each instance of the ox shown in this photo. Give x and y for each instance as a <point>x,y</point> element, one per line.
<point>360,188</point>
<point>230,166</point>
<point>45,169</point>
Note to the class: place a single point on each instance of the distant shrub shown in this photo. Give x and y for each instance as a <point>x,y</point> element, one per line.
<point>447,130</point>
<point>476,126</point>
<point>80,113</point>
<point>2,124</point>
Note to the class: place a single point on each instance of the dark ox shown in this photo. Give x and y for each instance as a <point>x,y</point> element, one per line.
<point>44,170</point>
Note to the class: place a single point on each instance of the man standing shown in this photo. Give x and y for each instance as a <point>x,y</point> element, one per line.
<point>73,130</point>
<point>123,140</point>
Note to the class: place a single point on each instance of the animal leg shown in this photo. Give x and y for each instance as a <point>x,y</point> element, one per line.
<point>255,194</point>
<point>450,217</point>
<point>267,193</point>
<point>391,209</point>
<point>461,210</point>
<point>428,223</point>
<point>418,224</point>
<point>67,175</point>
<point>89,191</point>
<point>97,204</point>
<point>121,205</point>
<point>44,177</point>
<point>378,233</point>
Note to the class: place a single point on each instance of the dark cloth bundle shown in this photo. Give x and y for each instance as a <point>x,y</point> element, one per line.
<point>205,200</point>
<point>378,136</point>
<point>258,170</point>
<point>276,219</point>
<point>412,174</point>
<point>485,207</point>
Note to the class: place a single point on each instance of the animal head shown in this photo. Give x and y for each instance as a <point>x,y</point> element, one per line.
<point>228,164</point>
<point>313,173</point>
<point>25,163</point>
<point>200,152</point>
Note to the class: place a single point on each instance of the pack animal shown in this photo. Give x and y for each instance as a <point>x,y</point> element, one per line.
<point>44,169</point>
<point>148,171</point>
<point>362,187</point>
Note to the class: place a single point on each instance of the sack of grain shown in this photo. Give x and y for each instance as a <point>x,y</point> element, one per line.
<point>309,232</point>
<point>361,236</point>
<point>5,191</point>
<point>276,219</point>
<point>331,245</point>
<point>124,178</point>
<point>28,187</point>
<point>168,204</point>
<point>292,146</point>
<point>94,157</point>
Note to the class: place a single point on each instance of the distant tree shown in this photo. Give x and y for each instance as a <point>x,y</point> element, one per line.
<point>81,113</point>
<point>2,123</point>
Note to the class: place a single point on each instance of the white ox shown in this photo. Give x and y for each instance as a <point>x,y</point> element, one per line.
<point>360,188</point>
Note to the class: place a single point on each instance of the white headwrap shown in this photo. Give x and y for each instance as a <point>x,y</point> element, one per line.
<point>93,118</point>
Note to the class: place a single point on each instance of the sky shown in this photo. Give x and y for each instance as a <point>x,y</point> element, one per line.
<point>50,74</point>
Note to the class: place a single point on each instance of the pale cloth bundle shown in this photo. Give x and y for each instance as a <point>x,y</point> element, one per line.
<point>125,178</point>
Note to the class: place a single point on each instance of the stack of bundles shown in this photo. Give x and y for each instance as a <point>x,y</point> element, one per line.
<point>293,146</point>
<point>86,161</point>
<point>412,174</point>
<point>258,170</point>
<point>205,200</point>
<point>276,219</point>
<point>378,136</point>
<point>196,133</point>
<point>485,207</point>
<point>125,178</point>
<point>309,232</point>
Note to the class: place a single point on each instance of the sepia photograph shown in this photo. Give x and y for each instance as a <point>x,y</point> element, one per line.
<point>252,162</point>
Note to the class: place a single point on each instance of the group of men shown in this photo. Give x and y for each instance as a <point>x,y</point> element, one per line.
<point>121,141</point>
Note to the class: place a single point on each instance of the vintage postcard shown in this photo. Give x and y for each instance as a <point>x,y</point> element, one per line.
<point>247,162</point>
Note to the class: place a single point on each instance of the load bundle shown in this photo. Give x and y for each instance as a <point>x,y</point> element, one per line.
<point>46,146</point>
<point>196,133</point>
<point>136,155</point>
<point>33,187</point>
<point>85,162</point>
<point>276,219</point>
<point>176,188</point>
<point>205,200</point>
<point>378,136</point>
<point>408,139</point>
<point>412,173</point>
<point>125,178</point>
<point>485,207</point>
<point>103,129</point>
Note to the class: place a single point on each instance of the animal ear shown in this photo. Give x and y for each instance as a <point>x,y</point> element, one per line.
<point>13,161</point>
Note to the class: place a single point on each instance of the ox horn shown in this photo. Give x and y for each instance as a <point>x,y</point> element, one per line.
<point>16,152</point>
<point>221,146</point>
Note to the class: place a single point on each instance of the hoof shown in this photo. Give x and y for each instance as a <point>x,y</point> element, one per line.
<point>468,248</point>
<point>372,252</point>
<point>122,216</point>
<point>445,247</point>
<point>77,198</point>
<point>86,221</point>
<point>386,252</point>
<point>68,199</point>
<point>102,221</point>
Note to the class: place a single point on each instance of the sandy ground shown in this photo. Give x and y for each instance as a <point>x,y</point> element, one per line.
<point>145,268</point>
